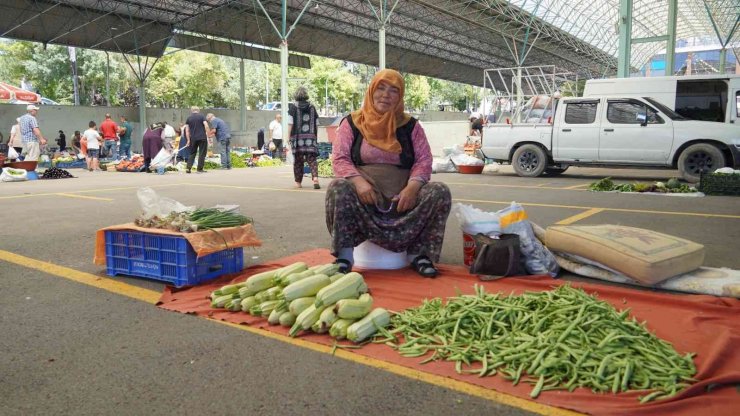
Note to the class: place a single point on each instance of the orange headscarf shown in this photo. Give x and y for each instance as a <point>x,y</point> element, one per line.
<point>380,129</point>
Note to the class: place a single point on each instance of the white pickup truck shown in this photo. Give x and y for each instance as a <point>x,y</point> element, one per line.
<point>614,131</point>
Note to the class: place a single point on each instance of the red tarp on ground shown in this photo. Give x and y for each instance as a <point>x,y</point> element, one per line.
<point>706,325</point>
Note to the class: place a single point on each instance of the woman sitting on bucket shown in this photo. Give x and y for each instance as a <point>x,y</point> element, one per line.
<point>383,163</point>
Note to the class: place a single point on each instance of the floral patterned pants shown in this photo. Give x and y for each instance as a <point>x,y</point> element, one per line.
<point>418,231</point>
<point>300,159</point>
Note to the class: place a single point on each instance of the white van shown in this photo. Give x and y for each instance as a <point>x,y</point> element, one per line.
<point>697,97</point>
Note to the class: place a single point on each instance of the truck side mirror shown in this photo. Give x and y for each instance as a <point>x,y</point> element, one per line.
<point>643,119</point>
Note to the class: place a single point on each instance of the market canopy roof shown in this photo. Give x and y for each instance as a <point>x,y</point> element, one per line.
<point>448,39</point>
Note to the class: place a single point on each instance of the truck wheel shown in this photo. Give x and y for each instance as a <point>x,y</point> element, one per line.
<point>698,158</point>
<point>529,161</point>
<point>555,171</point>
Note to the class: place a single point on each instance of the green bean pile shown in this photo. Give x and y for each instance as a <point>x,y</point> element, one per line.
<point>560,339</point>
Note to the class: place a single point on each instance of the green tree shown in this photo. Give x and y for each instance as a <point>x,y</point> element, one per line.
<point>418,92</point>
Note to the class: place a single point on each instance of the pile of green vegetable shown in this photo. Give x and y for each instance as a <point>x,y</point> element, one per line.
<point>306,298</point>
<point>197,220</point>
<point>268,162</point>
<point>210,165</point>
<point>326,169</point>
<point>239,161</point>
<point>556,340</point>
<point>672,186</point>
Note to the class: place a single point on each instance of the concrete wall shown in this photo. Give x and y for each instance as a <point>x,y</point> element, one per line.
<point>440,130</point>
<point>53,118</point>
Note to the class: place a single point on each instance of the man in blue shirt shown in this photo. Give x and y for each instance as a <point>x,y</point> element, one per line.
<point>31,134</point>
<point>223,135</point>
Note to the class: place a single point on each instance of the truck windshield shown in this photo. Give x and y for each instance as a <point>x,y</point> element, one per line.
<point>665,110</point>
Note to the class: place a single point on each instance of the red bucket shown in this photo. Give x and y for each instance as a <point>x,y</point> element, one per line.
<point>468,249</point>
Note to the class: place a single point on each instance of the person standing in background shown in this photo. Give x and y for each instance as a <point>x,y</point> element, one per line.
<point>183,150</point>
<point>77,142</point>
<point>168,136</point>
<point>124,132</point>
<point>223,135</point>
<point>261,138</point>
<point>91,139</point>
<point>109,131</point>
<point>62,141</point>
<point>276,135</point>
<point>15,140</point>
<point>31,134</point>
<point>151,144</point>
<point>197,138</point>
<point>303,141</point>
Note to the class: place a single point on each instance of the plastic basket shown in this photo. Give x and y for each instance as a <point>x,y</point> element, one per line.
<point>71,165</point>
<point>166,258</point>
<point>470,169</point>
<point>720,184</point>
<point>324,150</point>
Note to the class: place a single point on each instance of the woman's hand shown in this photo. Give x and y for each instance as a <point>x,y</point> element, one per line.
<point>407,197</point>
<point>364,190</point>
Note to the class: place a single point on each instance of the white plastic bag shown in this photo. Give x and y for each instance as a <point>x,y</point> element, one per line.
<point>466,160</point>
<point>537,258</point>
<point>491,168</point>
<point>12,154</point>
<point>162,159</point>
<point>153,205</point>
<point>473,220</point>
<point>443,165</point>
<point>13,175</point>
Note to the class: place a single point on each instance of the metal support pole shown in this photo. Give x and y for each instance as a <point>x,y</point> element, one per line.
<point>267,84</point>
<point>519,97</point>
<point>625,38</point>
<point>670,47</point>
<point>142,105</point>
<point>722,60</point>
<point>284,88</point>
<point>326,95</point>
<point>381,47</point>
<point>242,98</point>
<point>107,79</point>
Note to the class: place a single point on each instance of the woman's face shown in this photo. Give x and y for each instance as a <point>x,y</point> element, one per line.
<point>385,97</point>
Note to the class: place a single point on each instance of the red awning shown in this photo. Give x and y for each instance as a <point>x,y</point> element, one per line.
<point>9,93</point>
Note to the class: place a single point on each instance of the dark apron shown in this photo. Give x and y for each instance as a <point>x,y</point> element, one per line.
<point>388,182</point>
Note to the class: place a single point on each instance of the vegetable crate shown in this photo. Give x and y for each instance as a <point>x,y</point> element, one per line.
<point>167,258</point>
<point>720,184</point>
<point>71,165</point>
<point>324,150</point>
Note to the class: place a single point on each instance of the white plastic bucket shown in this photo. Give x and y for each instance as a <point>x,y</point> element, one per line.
<point>371,256</point>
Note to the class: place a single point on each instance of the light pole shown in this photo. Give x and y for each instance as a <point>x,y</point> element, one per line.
<point>326,95</point>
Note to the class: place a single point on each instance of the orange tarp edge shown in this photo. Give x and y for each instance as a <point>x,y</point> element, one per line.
<point>706,325</point>
<point>203,242</point>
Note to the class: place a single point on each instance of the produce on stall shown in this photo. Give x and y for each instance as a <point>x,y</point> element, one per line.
<point>556,340</point>
<point>671,186</point>
<point>56,173</point>
<point>302,298</point>
<point>190,221</point>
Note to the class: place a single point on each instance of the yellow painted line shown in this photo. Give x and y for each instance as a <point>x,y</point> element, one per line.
<point>150,296</point>
<point>542,186</point>
<point>440,381</point>
<point>576,186</point>
<point>640,211</point>
<point>578,217</point>
<point>99,282</point>
<point>88,191</point>
<point>288,188</point>
<point>86,197</point>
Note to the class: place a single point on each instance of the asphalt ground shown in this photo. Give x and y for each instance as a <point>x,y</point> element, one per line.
<point>69,347</point>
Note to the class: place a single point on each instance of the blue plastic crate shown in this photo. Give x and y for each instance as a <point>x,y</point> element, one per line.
<point>167,258</point>
<point>71,165</point>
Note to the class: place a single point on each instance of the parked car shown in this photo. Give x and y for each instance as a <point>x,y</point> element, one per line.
<point>272,106</point>
<point>47,101</point>
<point>614,131</point>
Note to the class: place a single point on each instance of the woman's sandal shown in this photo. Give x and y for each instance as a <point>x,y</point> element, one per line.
<point>316,185</point>
<point>424,266</point>
<point>344,266</point>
